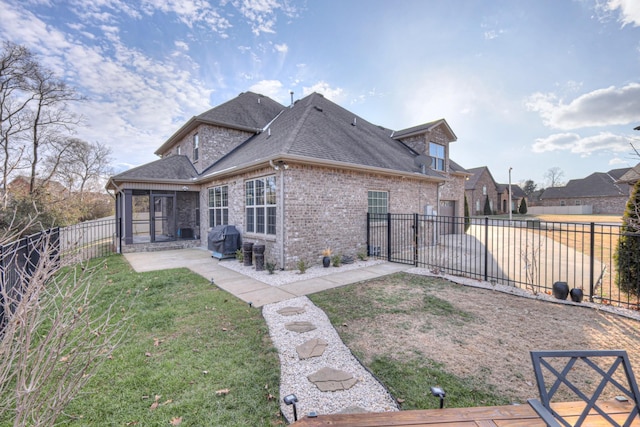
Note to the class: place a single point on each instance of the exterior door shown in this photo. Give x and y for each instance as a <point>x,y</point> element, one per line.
<point>448,210</point>
<point>163,224</point>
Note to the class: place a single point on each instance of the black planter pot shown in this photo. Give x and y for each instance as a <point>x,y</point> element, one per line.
<point>326,261</point>
<point>576,295</point>
<point>560,290</point>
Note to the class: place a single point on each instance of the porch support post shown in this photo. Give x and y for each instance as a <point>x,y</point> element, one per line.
<point>128,217</point>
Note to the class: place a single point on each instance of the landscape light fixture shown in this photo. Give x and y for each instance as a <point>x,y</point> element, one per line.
<point>291,399</point>
<point>439,392</point>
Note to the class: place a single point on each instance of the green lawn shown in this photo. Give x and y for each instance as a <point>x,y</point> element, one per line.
<point>187,340</point>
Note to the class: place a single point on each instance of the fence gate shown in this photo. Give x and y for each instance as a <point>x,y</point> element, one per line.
<point>393,237</point>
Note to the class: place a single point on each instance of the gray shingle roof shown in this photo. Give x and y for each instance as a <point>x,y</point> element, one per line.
<point>471,183</point>
<point>598,184</point>
<point>248,111</point>
<point>168,168</point>
<point>317,128</point>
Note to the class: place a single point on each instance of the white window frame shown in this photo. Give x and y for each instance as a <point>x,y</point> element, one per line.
<point>438,154</point>
<point>260,205</point>
<point>377,204</point>
<point>218,205</point>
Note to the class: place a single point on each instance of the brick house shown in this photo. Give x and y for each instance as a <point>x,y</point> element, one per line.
<point>480,185</point>
<point>598,193</point>
<point>297,179</point>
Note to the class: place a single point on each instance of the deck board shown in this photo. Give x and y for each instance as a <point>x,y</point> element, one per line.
<point>487,416</point>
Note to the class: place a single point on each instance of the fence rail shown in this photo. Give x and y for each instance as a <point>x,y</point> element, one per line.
<point>20,259</point>
<point>529,254</point>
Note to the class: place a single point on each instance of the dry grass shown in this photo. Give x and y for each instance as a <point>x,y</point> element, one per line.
<point>479,335</point>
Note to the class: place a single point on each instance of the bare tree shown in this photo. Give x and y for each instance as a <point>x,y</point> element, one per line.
<point>16,68</point>
<point>529,187</point>
<point>84,166</point>
<point>53,337</point>
<point>554,176</point>
<point>34,117</point>
<point>49,119</point>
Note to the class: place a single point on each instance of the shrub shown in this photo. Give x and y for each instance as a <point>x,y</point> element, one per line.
<point>336,260</point>
<point>487,206</point>
<point>239,255</point>
<point>523,206</point>
<point>271,266</point>
<point>362,256</point>
<point>467,219</point>
<point>627,255</point>
<point>302,266</point>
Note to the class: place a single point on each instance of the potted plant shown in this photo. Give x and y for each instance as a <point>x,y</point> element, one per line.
<point>326,257</point>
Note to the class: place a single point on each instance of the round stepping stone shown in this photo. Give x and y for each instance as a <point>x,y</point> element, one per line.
<point>300,327</point>
<point>330,379</point>
<point>312,348</point>
<point>291,311</point>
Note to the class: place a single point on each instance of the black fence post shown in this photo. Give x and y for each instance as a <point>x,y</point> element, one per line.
<point>415,239</point>
<point>486,248</point>
<point>592,246</point>
<point>368,233</point>
<point>388,237</point>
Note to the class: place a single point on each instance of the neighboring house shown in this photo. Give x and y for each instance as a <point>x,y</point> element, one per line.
<point>478,187</point>
<point>630,177</point>
<point>517,194</point>
<point>297,179</point>
<point>20,186</point>
<point>599,193</point>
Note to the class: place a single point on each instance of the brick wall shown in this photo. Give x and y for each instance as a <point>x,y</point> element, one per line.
<point>214,142</point>
<point>323,208</point>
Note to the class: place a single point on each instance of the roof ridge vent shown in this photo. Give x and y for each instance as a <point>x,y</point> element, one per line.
<point>317,108</point>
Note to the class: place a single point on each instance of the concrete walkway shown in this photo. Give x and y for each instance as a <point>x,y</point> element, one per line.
<point>258,293</point>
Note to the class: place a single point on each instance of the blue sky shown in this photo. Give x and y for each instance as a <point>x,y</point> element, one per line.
<point>528,84</point>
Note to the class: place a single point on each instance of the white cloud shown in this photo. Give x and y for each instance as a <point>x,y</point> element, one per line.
<point>574,143</point>
<point>181,45</point>
<point>272,89</point>
<point>133,100</point>
<point>601,107</point>
<point>262,14</point>
<point>282,48</point>
<point>629,11</point>
<point>322,87</point>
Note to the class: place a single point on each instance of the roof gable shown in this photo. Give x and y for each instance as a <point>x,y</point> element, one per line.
<point>248,111</point>
<point>598,184</point>
<point>426,127</point>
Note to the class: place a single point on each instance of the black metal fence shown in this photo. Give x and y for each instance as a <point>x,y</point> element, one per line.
<point>20,259</point>
<point>529,254</point>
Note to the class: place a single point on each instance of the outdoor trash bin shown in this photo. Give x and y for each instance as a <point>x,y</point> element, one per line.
<point>223,241</point>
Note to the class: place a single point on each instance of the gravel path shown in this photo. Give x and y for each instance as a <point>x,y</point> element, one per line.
<point>366,395</point>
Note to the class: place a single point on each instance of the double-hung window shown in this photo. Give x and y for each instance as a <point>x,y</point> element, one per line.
<point>260,205</point>
<point>219,206</point>
<point>196,147</point>
<point>436,151</point>
<point>378,204</point>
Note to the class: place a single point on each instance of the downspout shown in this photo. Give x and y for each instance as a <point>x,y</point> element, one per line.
<point>281,219</point>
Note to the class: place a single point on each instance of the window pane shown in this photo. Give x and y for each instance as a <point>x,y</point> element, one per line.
<point>271,190</point>
<point>271,220</point>
<point>211,197</point>
<point>250,220</point>
<point>218,217</point>
<point>259,220</point>
<point>249,194</point>
<point>218,197</point>
<point>378,202</point>
<point>225,196</point>
<point>212,219</point>
<point>259,192</point>
<point>225,216</point>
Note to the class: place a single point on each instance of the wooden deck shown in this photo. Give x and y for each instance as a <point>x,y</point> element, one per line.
<point>490,416</point>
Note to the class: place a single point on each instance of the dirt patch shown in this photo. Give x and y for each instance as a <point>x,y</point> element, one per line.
<point>479,333</point>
